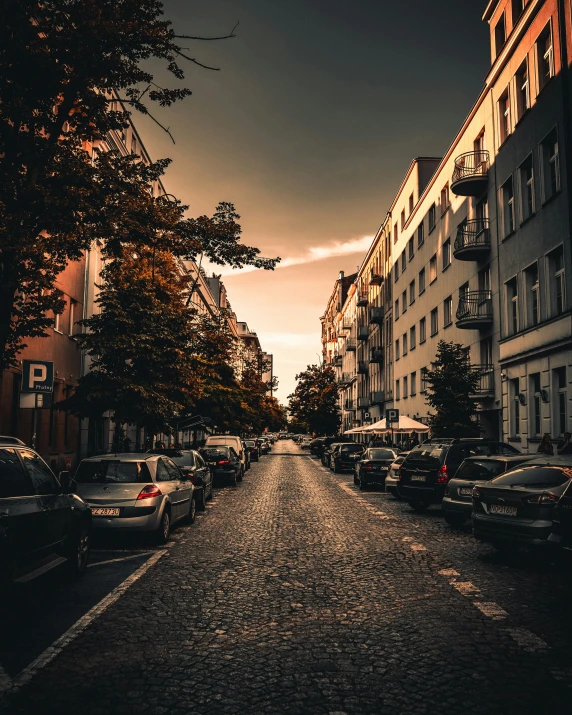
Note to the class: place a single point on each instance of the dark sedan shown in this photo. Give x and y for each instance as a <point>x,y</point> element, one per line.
<point>373,466</point>
<point>253,449</point>
<point>345,456</point>
<point>224,462</point>
<point>194,467</point>
<point>518,507</point>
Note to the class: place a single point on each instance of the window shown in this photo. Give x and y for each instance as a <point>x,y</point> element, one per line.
<point>444,199</point>
<point>550,165</point>
<point>463,290</point>
<point>421,281</point>
<point>396,310</point>
<point>14,481</point>
<point>532,295</point>
<point>423,380</point>
<point>500,35</point>
<point>545,57</point>
<point>395,232</point>
<point>448,311</point>
<point>507,195</point>
<point>411,204</point>
<point>57,322</point>
<point>412,338</point>
<point>395,271</point>
<point>412,292</point>
<point>133,145</point>
<point>410,249</point>
<point>402,219</point>
<point>405,389</point>
<point>413,384</point>
<point>420,235</point>
<point>522,90</point>
<point>433,268</point>
<point>447,254</point>
<point>43,481</point>
<point>561,394</point>
<point>72,317</point>
<point>535,405</point>
<point>423,330</point>
<point>517,8</point>
<point>504,115</point>
<point>397,350</point>
<point>434,321</point>
<point>404,344</point>
<point>526,171</point>
<point>514,417</point>
<point>162,472</point>
<point>403,261</point>
<point>432,217</point>
<point>397,390</point>
<point>404,301</point>
<point>556,281</point>
<point>512,306</point>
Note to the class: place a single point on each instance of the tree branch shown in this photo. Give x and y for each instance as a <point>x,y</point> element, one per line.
<point>208,39</point>
<point>196,62</point>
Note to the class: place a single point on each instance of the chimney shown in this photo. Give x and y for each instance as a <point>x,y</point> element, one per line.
<point>341,276</point>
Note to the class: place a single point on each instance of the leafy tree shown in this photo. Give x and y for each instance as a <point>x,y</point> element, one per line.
<point>314,402</point>
<point>450,385</point>
<point>70,72</point>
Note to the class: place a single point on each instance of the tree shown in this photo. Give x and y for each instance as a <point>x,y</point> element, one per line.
<point>450,385</point>
<point>314,402</point>
<point>70,72</point>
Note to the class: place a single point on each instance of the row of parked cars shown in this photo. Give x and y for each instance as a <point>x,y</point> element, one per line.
<point>510,498</point>
<point>48,521</point>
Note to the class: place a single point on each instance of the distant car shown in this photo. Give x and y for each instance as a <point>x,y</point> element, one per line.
<point>223,462</point>
<point>193,466</point>
<point>42,524</point>
<point>253,449</point>
<point>428,467</point>
<point>316,445</point>
<point>140,492</point>
<point>345,456</point>
<point>306,442</point>
<point>457,504</point>
<point>392,478</point>
<point>518,508</point>
<point>373,465</point>
<point>229,441</point>
<point>264,446</point>
<point>246,453</point>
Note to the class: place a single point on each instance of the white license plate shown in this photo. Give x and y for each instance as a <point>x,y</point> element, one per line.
<point>505,510</point>
<point>465,491</point>
<point>418,478</point>
<point>107,511</point>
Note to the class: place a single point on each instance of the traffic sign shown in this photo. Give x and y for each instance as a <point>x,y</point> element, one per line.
<point>366,415</point>
<point>37,376</point>
<point>392,415</point>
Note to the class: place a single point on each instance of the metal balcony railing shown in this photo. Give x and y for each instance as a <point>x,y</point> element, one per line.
<point>344,378</point>
<point>486,384</point>
<point>351,344</point>
<point>363,402</point>
<point>377,397</point>
<point>376,355</point>
<point>337,361</point>
<point>472,240</point>
<point>475,309</point>
<point>362,367</point>
<point>363,332</point>
<point>470,175</point>
<point>347,324</point>
<point>362,297</point>
<point>376,315</point>
<point>349,405</point>
<point>375,280</point>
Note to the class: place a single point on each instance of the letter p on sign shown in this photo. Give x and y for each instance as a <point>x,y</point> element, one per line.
<point>38,374</point>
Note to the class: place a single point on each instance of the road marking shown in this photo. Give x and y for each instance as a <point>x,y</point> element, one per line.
<point>448,572</point>
<point>418,547</point>
<point>79,626</point>
<point>527,640</point>
<point>491,609</point>
<point>123,558</point>
<point>407,538</point>
<point>465,588</point>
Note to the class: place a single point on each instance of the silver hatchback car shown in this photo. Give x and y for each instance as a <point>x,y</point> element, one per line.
<point>135,492</point>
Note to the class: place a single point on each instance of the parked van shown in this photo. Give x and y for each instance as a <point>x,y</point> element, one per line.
<point>229,441</point>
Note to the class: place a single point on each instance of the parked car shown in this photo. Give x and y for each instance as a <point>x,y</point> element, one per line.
<point>229,441</point>
<point>246,456</point>
<point>267,441</point>
<point>518,508</point>
<point>264,446</point>
<point>306,442</point>
<point>428,467</point>
<point>194,467</point>
<point>140,492</point>
<point>392,478</point>
<point>457,503</point>
<point>372,466</point>
<point>345,456</point>
<point>561,534</point>
<point>328,451</point>
<point>327,443</point>
<point>316,445</point>
<point>253,449</point>
<point>223,462</point>
<point>42,524</point>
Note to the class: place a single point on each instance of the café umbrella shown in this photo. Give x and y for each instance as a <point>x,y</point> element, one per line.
<point>405,424</point>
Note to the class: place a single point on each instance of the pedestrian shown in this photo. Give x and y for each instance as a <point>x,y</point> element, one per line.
<point>545,446</point>
<point>566,446</point>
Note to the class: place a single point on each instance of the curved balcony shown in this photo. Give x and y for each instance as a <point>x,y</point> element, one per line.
<point>471,173</point>
<point>486,384</point>
<point>473,241</point>
<point>475,310</point>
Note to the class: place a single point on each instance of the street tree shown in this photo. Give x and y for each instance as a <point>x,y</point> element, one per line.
<point>314,402</point>
<point>70,72</point>
<point>450,385</point>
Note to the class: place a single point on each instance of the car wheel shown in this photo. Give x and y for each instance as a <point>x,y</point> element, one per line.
<point>164,529</point>
<point>240,475</point>
<point>454,520</point>
<point>80,555</point>
<point>356,480</point>
<point>202,505</point>
<point>192,511</point>
<point>419,506</point>
<point>362,485</point>
<point>211,491</point>
<point>234,480</point>
<point>337,470</point>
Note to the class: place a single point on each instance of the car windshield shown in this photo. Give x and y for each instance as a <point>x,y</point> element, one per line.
<point>380,454</point>
<point>484,469</point>
<point>431,454</point>
<point>250,443</point>
<point>108,471</point>
<point>492,448</point>
<point>534,477</point>
<point>215,452</point>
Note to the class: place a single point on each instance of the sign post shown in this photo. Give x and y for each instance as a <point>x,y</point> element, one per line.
<point>391,416</point>
<point>37,381</point>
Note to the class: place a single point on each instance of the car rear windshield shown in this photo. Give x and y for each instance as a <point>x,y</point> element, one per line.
<point>108,471</point>
<point>483,469</point>
<point>183,459</point>
<point>215,452</point>
<point>381,454</point>
<point>535,477</point>
<point>432,455</point>
<point>250,443</point>
<point>348,448</point>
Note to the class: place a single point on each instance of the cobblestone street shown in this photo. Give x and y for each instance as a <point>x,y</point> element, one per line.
<point>297,593</point>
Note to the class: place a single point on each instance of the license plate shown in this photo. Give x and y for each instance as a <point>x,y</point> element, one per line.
<point>505,510</point>
<point>465,491</point>
<point>105,512</point>
<point>417,478</point>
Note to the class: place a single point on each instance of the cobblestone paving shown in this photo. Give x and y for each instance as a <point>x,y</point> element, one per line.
<point>299,594</point>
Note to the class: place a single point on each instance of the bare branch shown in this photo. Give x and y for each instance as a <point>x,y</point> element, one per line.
<point>208,39</point>
<point>200,64</point>
<point>145,111</point>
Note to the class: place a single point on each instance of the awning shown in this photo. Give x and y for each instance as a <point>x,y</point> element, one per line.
<point>194,422</point>
<point>405,424</point>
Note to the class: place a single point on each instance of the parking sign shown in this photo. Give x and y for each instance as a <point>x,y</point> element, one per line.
<point>392,415</point>
<point>37,376</point>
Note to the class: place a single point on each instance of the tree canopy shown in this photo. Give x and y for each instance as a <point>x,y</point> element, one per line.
<point>314,402</point>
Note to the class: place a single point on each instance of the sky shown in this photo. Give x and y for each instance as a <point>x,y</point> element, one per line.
<point>308,128</point>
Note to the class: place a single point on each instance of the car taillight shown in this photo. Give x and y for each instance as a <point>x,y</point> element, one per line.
<point>477,493</point>
<point>400,473</point>
<point>149,492</point>
<point>443,475</point>
<point>223,461</point>
<point>368,467</point>
<point>541,499</point>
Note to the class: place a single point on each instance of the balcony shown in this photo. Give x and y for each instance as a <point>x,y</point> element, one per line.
<point>471,174</point>
<point>377,397</point>
<point>362,367</point>
<point>475,310</point>
<point>473,241</point>
<point>344,379</point>
<point>486,384</point>
<point>376,316</point>
<point>363,332</point>
<point>337,361</point>
<point>363,403</point>
<point>347,324</point>
<point>375,280</point>
<point>351,344</point>
<point>376,356</point>
<point>362,297</point>
<point>349,405</point>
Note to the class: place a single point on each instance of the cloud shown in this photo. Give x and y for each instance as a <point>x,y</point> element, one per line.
<point>313,254</point>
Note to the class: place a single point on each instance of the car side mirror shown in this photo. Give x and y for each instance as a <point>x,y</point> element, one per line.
<point>65,480</point>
